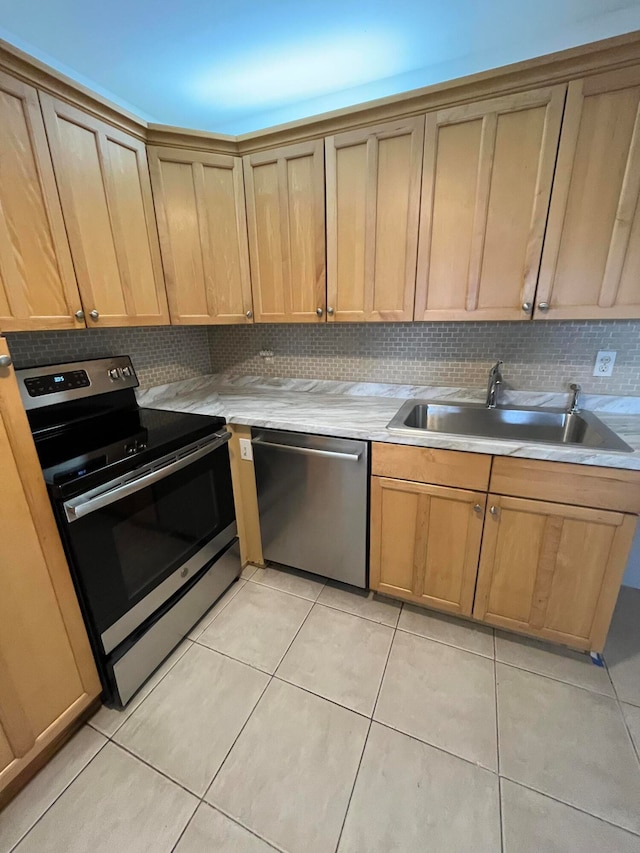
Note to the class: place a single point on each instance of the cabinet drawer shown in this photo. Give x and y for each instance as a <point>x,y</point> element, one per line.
<point>427,465</point>
<point>562,482</point>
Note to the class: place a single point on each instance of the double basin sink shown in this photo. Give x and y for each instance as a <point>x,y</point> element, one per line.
<point>549,426</point>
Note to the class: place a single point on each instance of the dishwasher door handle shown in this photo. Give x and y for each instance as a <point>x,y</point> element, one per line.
<point>308,451</point>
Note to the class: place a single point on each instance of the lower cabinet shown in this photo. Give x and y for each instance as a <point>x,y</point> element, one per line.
<point>425,543</point>
<point>47,675</point>
<point>552,570</point>
<point>522,561</point>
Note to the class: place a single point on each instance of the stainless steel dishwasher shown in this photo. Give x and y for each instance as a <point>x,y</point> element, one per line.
<point>312,497</point>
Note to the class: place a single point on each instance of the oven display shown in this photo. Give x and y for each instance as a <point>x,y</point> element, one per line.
<point>37,386</point>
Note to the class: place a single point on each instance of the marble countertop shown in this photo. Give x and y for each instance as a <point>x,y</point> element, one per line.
<point>363,410</point>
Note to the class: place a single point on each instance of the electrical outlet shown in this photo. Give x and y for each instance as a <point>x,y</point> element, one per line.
<point>604,363</point>
<point>246,450</point>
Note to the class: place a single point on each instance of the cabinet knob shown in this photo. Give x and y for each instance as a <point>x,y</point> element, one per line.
<point>94,314</point>
<point>5,361</point>
<point>478,508</point>
<point>249,315</point>
<point>329,310</point>
<point>495,512</point>
<point>543,306</point>
<point>319,312</point>
<point>80,315</point>
<point>526,307</point>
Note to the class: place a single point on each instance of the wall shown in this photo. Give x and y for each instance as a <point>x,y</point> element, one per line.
<point>632,574</point>
<point>159,353</point>
<point>537,356</point>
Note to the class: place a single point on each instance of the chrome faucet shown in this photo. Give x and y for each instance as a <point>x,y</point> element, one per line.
<point>495,381</point>
<point>574,408</point>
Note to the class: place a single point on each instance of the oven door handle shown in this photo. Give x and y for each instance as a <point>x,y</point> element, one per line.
<point>79,507</point>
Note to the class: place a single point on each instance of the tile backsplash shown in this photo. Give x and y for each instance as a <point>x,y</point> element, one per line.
<point>537,356</point>
<point>159,353</point>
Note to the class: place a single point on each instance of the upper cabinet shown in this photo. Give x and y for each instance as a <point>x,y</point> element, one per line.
<point>38,287</point>
<point>373,209</point>
<point>285,215</point>
<point>591,261</point>
<point>487,174</point>
<point>199,199</point>
<point>104,186</point>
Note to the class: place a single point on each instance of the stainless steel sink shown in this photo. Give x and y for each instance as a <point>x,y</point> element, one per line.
<point>549,426</point>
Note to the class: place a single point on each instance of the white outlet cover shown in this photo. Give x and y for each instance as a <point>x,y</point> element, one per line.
<point>604,363</point>
<point>246,450</point>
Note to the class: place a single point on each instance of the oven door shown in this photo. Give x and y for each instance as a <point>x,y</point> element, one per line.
<point>134,542</point>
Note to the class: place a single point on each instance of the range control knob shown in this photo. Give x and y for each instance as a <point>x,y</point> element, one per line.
<point>114,374</point>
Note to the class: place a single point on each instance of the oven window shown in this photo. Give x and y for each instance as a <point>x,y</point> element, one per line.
<point>124,550</point>
<point>161,527</point>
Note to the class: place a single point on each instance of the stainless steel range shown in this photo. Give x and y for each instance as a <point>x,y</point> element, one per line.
<point>144,504</point>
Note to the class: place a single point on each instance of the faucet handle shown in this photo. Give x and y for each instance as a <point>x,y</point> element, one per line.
<point>574,408</point>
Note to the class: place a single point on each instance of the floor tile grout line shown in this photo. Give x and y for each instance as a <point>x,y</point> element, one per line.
<point>448,752</point>
<point>384,671</point>
<point>295,636</point>
<point>353,786</point>
<point>271,678</point>
<point>573,806</point>
<point>271,844</point>
<point>557,680</point>
<point>635,747</point>
<point>186,826</point>
<point>364,745</point>
<point>351,613</point>
<point>164,773</point>
<point>449,645</point>
<point>282,680</point>
<point>287,591</point>
<point>495,687</point>
<point>231,657</point>
<point>235,740</point>
<point>52,804</point>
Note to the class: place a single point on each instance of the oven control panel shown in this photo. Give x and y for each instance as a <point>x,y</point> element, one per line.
<point>53,383</point>
<point>41,387</point>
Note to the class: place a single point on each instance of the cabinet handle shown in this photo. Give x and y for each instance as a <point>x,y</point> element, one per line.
<point>526,307</point>
<point>5,361</point>
<point>319,312</point>
<point>543,306</point>
<point>249,315</point>
<point>495,512</point>
<point>478,508</point>
<point>329,310</point>
<point>79,314</point>
<point>94,314</point>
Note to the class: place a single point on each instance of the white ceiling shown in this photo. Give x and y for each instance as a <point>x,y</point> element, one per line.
<point>236,67</point>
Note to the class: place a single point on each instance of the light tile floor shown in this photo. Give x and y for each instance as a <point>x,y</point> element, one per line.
<point>304,716</point>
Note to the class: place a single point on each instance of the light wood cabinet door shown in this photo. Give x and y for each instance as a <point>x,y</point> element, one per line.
<point>488,168</point>
<point>38,287</point>
<point>104,185</point>
<point>373,209</point>
<point>591,260</point>
<point>199,200</point>
<point>285,217</point>
<point>552,570</point>
<point>425,543</point>
<point>47,673</point>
